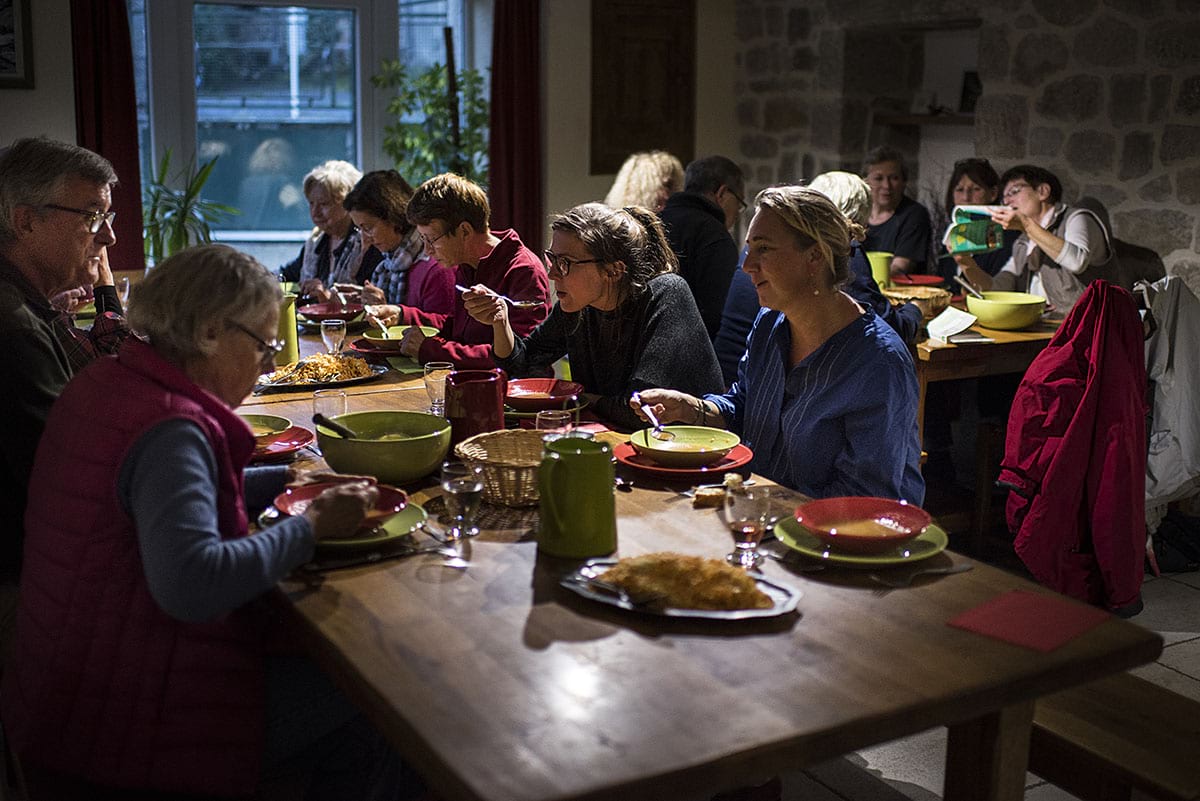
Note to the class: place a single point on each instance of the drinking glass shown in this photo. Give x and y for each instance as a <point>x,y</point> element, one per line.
<point>123,290</point>
<point>554,420</point>
<point>333,334</point>
<point>435,386</point>
<point>746,512</point>
<point>329,402</point>
<point>462,485</point>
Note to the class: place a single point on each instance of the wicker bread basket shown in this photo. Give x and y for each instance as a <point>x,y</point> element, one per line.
<point>510,462</point>
<point>931,300</point>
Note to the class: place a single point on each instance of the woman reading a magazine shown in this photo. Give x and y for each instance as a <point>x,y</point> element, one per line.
<point>1060,249</point>
<point>974,182</point>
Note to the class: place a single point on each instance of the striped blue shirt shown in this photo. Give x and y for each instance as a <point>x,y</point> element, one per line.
<point>841,422</point>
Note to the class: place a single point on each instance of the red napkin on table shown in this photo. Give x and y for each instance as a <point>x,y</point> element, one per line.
<point>1031,619</point>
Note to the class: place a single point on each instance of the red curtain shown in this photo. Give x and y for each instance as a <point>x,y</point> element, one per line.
<point>106,113</point>
<point>515,150</point>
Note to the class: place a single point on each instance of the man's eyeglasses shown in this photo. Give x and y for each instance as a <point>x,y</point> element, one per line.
<point>563,264</point>
<point>430,242</point>
<point>95,219</point>
<point>269,350</point>
<point>1012,190</point>
<point>741,203</point>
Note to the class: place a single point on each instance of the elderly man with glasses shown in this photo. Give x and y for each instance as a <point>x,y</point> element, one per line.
<point>451,215</point>
<point>55,229</point>
<point>698,222</point>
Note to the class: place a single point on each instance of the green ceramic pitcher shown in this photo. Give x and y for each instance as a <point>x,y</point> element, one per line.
<point>287,331</point>
<point>578,511</point>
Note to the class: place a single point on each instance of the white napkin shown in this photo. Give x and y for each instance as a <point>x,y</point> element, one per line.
<point>950,322</point>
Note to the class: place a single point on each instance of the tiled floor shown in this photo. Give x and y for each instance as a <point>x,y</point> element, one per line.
<point>912,768</point>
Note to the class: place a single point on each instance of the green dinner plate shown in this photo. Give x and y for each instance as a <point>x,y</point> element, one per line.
<point>401,524</point>
<point>932,541</point>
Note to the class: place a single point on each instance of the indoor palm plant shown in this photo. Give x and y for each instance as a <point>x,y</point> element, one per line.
<point>174,218</point>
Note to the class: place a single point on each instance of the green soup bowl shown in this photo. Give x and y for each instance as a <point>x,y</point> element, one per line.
<point>394,446</point>
<point>1006,311</point>
<point>396,333</point>
<point>689,447</point>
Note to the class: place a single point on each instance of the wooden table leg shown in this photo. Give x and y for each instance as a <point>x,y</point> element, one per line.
<point>986,758</point>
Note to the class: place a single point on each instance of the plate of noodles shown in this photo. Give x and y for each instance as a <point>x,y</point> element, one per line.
<point>319,371</point>
<point>673,585</point>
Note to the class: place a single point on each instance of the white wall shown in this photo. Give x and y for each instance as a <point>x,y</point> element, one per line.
<point>49,107</point>
<point>566,102</point>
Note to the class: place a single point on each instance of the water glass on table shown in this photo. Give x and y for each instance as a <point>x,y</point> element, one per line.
<point>746,513</point>
<point>557,421</point>
<point>329,402</point>
<point>435,386</point>
<point>333,334</point>
<point>462,485</point>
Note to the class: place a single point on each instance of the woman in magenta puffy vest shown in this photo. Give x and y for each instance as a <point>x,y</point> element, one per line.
<point>139,656</point>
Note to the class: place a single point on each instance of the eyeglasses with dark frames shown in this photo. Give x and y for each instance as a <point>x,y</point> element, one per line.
<point>430,242</point>
<point>95,219</point>
<point>561,264</point>
<point>269,350</point>
<point>741,203</point>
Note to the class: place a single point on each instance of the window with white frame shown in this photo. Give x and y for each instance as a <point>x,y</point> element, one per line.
<point>272,89</point>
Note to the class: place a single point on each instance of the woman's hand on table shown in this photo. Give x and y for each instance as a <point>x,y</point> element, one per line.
<point>668,405</point>
<point>339,511</point>
<point>410,343</point>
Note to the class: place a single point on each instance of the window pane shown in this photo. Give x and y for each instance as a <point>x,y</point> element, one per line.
<point>274,98</point>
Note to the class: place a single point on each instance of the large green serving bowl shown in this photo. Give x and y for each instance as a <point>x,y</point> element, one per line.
<point>1006,311</point>
<point>416,445</point>
<point>690,448</point>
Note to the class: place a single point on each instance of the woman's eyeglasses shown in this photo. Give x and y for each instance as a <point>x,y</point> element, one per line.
<point>268,350</point>
<point>561,264</point>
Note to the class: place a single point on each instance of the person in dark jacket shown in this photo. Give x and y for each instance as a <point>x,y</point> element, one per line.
<point>698,222</point>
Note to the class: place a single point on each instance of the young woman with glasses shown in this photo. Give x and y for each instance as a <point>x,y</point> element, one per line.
<point>624,318</point>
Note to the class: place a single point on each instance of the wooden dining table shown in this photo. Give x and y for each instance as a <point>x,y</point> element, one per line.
<point>498,684</point>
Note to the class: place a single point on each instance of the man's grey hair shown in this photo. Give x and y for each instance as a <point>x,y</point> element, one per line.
<point>34,170</point>
<point>849,192</point>
<point>707,175</point>
<point>197,288</point>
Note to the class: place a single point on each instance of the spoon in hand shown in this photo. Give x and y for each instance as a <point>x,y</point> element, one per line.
<point>968,286</point>
<point>382,327</point>
<point>657,432</point>
<point>516,304</point>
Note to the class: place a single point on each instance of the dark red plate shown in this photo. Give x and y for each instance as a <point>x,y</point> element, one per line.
<point>740,456</point>
<point>331,311</point>
<point>918,280</point>
<point>539,394</point>
<point>277,447</point>
<point>294,500</point>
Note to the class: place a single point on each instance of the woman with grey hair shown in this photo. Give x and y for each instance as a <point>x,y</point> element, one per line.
<point>334,252</point>
<point>624,318</point>
<point>140,656</point>
<point>826,395</point>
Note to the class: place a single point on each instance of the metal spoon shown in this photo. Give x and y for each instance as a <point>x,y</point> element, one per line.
<point>904,580</point>
<point>516,304</point>
<point>336,428</point>
<point>968,286</point>
<point>657,432</point>
<point>386,334</point>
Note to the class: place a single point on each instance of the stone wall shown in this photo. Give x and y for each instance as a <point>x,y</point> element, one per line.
<point>1106,93</point>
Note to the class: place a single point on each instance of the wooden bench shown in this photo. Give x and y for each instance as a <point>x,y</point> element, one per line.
<point>1103,739</point>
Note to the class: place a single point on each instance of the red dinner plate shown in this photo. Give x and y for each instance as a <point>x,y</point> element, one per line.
<point>277,447</point>
<point>331,311</point>
<point>376,347</point>
<point>538,394</point>
<point>918,280</point>
<point>294,500</point>
<point>740,456</point>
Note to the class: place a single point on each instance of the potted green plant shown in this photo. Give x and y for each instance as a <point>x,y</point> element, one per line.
<point>424,139</point>
<point>174,218</point>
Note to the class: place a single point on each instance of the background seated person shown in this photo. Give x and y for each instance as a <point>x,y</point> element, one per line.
<point>897,224</point>
<point>378,204</point>
<point>140,660</point>
<point>1060,249</point>
<point>827,394</point>
<point>973,182</point>
<point>646,179</point>
<point>624,318</point>
<point>451,214</point>
<point>334,252</point>
<point>852,195</point>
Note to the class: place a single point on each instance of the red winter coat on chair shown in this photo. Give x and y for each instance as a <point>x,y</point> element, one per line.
<point>1075,454</point>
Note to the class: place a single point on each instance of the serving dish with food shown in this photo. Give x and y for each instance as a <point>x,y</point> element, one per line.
<point>394,446</point>
<point>321,370</point>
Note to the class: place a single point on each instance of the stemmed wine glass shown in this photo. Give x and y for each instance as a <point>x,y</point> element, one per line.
<point>462,483</point>
<point>435,385</point>
<point>333,334</point>
<point>746,513</point>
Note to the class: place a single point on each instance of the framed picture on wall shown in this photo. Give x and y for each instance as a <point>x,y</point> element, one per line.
<point>16,48</point>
